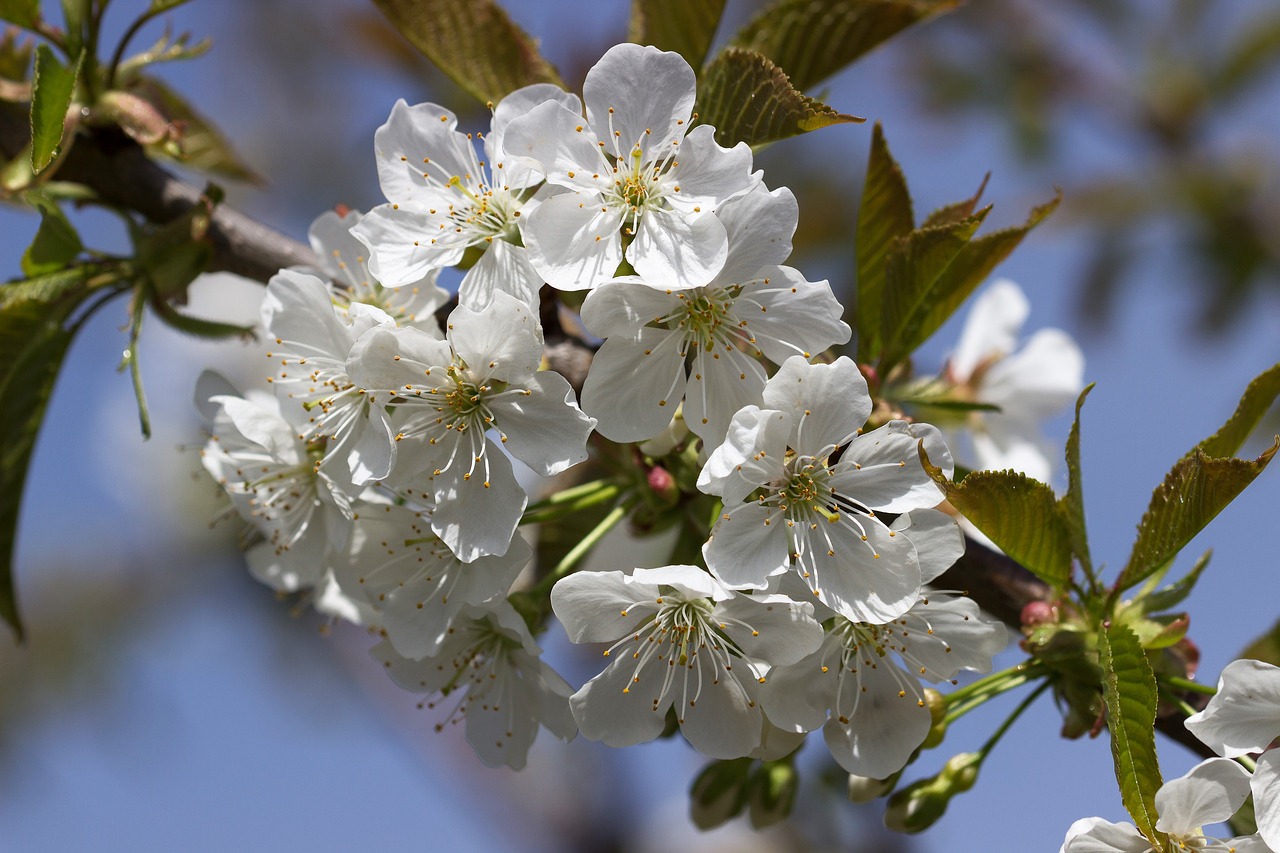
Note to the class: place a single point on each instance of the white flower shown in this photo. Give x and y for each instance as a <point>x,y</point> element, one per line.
<point>664,344</point>
<point>417,585</point>
<point>343,260</point>
<point>1210,793</point>
<point>876,707</point>
<point>1243,717</point>
<point>448,395</point>
<point>810,513</point>
<point>274,480</point>
<point>311,343</point>
<point>1029,385</point>
<point>629,166</point>
<point>680,640</point>
<point>443,199</point>
<point>489,669</point>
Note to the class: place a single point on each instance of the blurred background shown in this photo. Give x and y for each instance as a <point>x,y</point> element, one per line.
<point>164,700</point>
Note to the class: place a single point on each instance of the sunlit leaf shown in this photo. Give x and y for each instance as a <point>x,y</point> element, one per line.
<point>685,26</point>
<point>24,13</point>
<point>1192,494</point>
<point>749,99</point>
<point>1129,690</point>
<point>474,42</point>
<point>1257,399</point>
<point>1018,513</point>
<point>884,215</point>
<point>1071,504</point>
<point>56,242</point>
<point>813,39</point>
<point>52,86</point>
<point>1174,594</point>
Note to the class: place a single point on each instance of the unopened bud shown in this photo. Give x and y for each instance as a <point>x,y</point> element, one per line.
<point>772,793</point>
<point>937,704</point>
<point>864,789</point>
<point>919,806</point>
<point>663,485</point>
<point>719,793</point>
<point>1038,613</point>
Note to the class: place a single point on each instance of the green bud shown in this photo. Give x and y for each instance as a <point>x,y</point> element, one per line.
<point>772,792</point>
<point>938,715</point>
<point>864,789</point>
<point>919,806</point>
<point>719,793</point>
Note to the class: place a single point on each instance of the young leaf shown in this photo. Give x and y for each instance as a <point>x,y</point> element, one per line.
<point>1173,594</point>
<point>814,39</point>
<point>199,145</point>
<point>915,280</point>
<point>24,13</point>
<point>957,210</point>
<point>963,275</point>
<point>51,88</point>
<point>56,243</point>
<point>1266,648</point>
<point>884,216</point>
<point>685,26</point>
<point>1129,690</point>
<point>475,43</point>
<point>1254,403</point>
<point>1071,505</point>
<point>158,6</point>
<point>1018,513</point>
<point>749,99</point>
<point>1192,494</point>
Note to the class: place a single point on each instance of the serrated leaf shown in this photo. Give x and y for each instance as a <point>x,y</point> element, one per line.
<point>958,210</point>
<point>967,270</point>
<point>1254,403</point>
<point>884,216</point>
<point>474,42</point>
<point>1192,494</point>
<point>915,280</point>
<point>24,13</point>
<point>52,86</point>
<point>685,26</point>
<point>1129,691</point>
<point>56,243</point>
<point>1018,513</point>
<point>1174,594</point>
<point>747,98</point>
<point>1071,504</point>
<point>813,39</point>
<point>199,144</point>
<point>33,343</point>
<point>1266,648</point>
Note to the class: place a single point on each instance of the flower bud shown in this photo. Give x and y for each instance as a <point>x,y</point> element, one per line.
<point>1038,613</point>
<point>772,793</point>
<point>663,485</point>
<point>719,793</point>
<point>919,806</point>
<point>864,789</point>
<point>938,716</point>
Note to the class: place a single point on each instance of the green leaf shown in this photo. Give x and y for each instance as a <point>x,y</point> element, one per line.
<point>915,280</point>
<point>1129,690</point>
<point>1071,505</point>
<point>1173,594</point>
<point>1266,648</point>
<point>1018,513</point>
<point>24,13</point>
<point>749,99</point>
<point>199,144</point>
<point>970,267</point>
<point>813,39</point>
<point>1256,400</point>
<point>884,216</point>
<point>1192,494</point>
<point>51,90</point>
<point>956,211</point>
<point>56,243</point>
<point>158,6</point>
<point>685,26</point>
<point>33,343</point>
<point>474,42</point>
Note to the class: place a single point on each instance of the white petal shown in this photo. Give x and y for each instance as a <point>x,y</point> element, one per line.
<point>708,174</point>
<point>885,720</point>
<point>759,226</point>
<point>771,628</point>
<point>747,546</point>
<point>938,539</point>
<point>721,384</point>
<point>590,605</point>
<point>643,94</point>
<point>1210,792</point>
<point>829,401</point>
<point>1266,797</point>
<point>299,309</point>
<point>573,241</point>
<point>882,469</point>
<point>753,453</point>
<point>796,317</point>
<point>1040,380</point>
<point>991,328</point>
<point>798,696</point>
<point>412,134</point>
<point>674,251</point>
<point>874,580</point>
<point>491,493</point>
<point>518,103</point>
<point>623,306</point>
<point>943,634</point>
<point>1244,715</point>
<point>691,581</point>
<point>402,244</point>
<point>1095,835</point>
<point>543,428</point>
<point>724,720</point>
<point>634,386</point>
<point>556,137</point>
<point>604,712</point>
<point>503,267</point>
<point>1005,443</point>
<point>502,342</point>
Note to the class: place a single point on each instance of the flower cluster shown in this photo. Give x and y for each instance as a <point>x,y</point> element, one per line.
<point>379,476</point>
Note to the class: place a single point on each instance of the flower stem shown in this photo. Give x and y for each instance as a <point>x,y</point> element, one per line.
<point>1009,721</point>
<point>972,695</point>
<point>570,501</point>
<point>565,566</point>
<point>1188,685</point>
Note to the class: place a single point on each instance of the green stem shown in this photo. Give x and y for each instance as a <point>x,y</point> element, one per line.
<point>563,503</point>
<point>569,494</point>
<point>972,695</point>
<point>565,566</point>
<point>1009,721</point>
<point>1189,685</point>
<point>1185,706</point>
